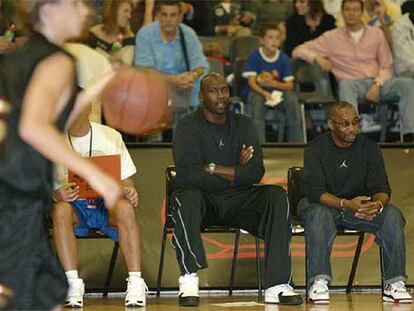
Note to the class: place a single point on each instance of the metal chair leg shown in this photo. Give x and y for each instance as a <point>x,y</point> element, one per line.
<point>306,274</point>
<point>111,269</point>
<point>234,261</point>
<point>161,265</point>
<point>355,262</point>
<point>382,268</point>
<point>258,271</point>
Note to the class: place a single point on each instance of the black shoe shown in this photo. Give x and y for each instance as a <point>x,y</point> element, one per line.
<point>282,295</point>
<point>189,301</point>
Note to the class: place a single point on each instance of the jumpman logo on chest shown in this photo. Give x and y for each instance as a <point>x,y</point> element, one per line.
<point>343,165</point>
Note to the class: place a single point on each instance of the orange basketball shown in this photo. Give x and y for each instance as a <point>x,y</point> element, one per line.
<point>137,102</point>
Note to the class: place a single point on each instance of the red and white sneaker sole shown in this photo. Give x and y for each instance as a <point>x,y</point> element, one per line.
<point>319,301</point>
<point>389,299</point>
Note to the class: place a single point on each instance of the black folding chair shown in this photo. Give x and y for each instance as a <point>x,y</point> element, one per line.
<point>295,194</point>
<point>169,227</point>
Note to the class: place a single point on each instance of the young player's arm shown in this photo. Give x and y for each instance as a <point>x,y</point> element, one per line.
<point>46,96</point>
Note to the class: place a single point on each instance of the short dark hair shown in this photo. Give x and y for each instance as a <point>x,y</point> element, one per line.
<point>265,28</point>
<point>338,106</point>
<point>169,3</point>
<point>361,2</point>
<point>316,7</point>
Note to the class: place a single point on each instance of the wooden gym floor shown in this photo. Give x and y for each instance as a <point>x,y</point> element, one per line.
<point>339,302</point>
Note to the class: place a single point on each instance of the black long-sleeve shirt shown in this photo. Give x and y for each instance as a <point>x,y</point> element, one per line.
<point>344,172</point>
<point>198,142</point>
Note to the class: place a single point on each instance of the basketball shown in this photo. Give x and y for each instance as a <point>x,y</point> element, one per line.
<point>137,102</point>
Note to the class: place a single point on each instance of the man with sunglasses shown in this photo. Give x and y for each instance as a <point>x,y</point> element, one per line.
<point>346,185</point>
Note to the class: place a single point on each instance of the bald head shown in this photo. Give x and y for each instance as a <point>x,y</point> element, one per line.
<point>208,78</point>
<point>338,107</point>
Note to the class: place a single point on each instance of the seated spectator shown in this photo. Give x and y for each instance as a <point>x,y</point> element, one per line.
<point>361,60</point>
<point>308,22</point>
<point>402,36</point>
<point>390,8</point>
<point>346,185</point>
<point>268,72</point>
<point>113,36</point>
<point>228,18</point>
<point>218,159</point>
<point>181,61</point>
<point>89,65</point>
<point>72,214</point>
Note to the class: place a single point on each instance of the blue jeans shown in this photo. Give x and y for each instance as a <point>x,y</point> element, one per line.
<point>321,223</point>
<point>351,90</point>
<point>289,107</point>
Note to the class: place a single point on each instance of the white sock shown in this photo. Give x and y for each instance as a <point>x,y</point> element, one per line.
<point>72,274</point>
<point>134,274</point>
<point>192,275</point>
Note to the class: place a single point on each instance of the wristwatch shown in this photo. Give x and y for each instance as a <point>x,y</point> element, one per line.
<point>211,168</point>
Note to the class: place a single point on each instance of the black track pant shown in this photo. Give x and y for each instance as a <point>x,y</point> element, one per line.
<point>261,210</point>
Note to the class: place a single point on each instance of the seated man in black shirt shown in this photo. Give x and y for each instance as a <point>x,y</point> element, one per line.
<point>218,158</point>
<point>346,185</point>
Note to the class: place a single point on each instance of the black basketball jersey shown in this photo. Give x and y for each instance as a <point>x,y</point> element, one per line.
<point>23,169</point>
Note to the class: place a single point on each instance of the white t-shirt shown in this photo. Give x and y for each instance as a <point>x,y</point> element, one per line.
<point>105,141</point>
<point>357,35</point>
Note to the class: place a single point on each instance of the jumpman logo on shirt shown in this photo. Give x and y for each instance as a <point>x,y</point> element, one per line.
<point>221,144</point>
<point>343,165</point>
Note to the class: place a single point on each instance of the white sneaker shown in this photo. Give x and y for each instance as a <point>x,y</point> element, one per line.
<point>368,125</point>
<point>282,294</point>
<point>396,292</point>
<point>188,294</point>
<point>319,292</point>
<point>136,292</point>
<point>74,298</point>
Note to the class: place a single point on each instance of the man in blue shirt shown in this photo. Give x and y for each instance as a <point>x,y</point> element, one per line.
<point>160,46</point>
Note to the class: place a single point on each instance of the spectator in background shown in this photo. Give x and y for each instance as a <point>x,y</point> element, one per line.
<point>379,15</point>
<point>113,36</point>
<point>308,22</point>
<point>268,72</point>
<point>270,12</point>
<point>227,18</point>
<point>10,34</point>
<point>174,50</point>
<point>361,60</point>
<point>403,39</point>
<point>142,14</point>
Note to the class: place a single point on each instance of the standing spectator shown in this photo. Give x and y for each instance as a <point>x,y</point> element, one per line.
<point>174,50</point>
<point>268,72</point>
<point>403,39</point>
<point>361,60</point>
<point>113,36</point>
<point>308,22</point>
